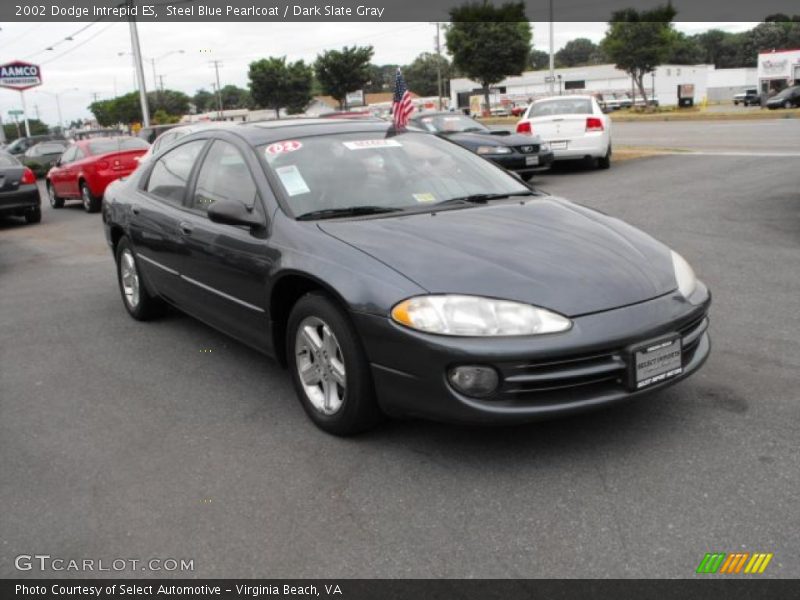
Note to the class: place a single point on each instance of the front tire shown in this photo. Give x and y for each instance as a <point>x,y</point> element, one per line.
<point>55,201</point>
<point>91,203</point>
<point>137,300</point>
<point>329,369</point>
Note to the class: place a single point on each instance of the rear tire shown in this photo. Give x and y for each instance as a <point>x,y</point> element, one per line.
<point>139,303</point>
<point>604,162</point>
<point>33,216</point>
<point>335,387</point>
<point>55,201</point>
<point>91,203</point>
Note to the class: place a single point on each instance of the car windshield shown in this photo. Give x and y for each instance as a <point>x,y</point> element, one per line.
<point>562,106</point>
<point>105,145</point>
<point>786,92</point>
<point>450,123</point>
<point>6,160</point>
<point>410,171</point>
<point>50,148</point>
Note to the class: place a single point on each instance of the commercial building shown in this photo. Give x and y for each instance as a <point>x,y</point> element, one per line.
<point>777,70</point>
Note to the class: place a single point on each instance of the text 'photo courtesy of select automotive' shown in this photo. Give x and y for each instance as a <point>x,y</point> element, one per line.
<point>475,299</point>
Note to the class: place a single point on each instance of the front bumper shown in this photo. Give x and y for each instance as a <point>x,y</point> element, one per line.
<point>541,376</point>
<point>517,162</point>
<point>26,197</point>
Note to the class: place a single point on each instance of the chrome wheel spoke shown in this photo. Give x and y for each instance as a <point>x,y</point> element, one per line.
<point>309,373</point>
<point>337,372</point>
<point>320,365</point>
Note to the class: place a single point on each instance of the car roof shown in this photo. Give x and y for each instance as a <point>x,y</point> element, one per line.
<point>264,132</point>
<point>440,113</point>
<point>87,141</point>
<point>567,97</point>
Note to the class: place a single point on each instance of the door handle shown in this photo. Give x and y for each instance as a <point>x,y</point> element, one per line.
<point>135,209</point>
<point>186,228</point>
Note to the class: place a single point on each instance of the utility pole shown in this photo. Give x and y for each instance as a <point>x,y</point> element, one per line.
<point>552,48</point>
<point>155,79</point>
<point>439,65</point>
<point>137,58</point>
<point>24,115</point>
<point>161,81</point>
<point>217,64</point>
<point>36,110</point>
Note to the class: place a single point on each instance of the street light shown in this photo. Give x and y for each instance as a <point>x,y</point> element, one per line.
<point>57,96</point>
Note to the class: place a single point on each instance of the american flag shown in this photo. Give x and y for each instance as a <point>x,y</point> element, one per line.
<point>401,104</point>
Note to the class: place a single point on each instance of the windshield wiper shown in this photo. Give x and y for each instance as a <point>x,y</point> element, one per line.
<point>347,211</point>
<point>482,198</point>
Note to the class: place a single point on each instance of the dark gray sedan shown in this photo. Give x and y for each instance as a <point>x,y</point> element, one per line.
<point>402,275</point>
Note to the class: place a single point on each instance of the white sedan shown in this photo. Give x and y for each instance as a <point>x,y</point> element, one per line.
<point>575,127</point>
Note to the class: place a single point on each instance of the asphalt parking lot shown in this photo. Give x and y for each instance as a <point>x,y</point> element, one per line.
<point>167,439</point>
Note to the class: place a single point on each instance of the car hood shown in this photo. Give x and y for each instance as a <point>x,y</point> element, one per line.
<point>477,139</point>
<point>547,252</point>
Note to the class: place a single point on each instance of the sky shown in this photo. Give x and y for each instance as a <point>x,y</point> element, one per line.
<point>97,61</point>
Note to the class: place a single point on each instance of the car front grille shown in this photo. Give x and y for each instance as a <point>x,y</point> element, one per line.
<point>560,380</point>
<point>528,149</point>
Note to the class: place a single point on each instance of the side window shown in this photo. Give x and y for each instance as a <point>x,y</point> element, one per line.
<point>79,154</point>
<point>223,176</point>
<point>170,174</point>
<point>69,155</point>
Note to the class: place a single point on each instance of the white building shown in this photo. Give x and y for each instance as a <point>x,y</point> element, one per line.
<point>777,70</point>
<point>709,83</point>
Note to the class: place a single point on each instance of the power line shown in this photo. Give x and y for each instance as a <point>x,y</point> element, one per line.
<point>65,39</point>
<point>76,46</point>
<point>23,34</point>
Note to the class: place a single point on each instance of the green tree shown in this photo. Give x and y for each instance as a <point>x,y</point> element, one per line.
<point>203,100</point>
<point>341,72</point>
<point>637,42</point>
<point>538,60</point>
<point>37,128</point>
<point>421,75</point>
<point>381,78</point>
<point>685,50</point>
<point>235,97</point>
<point>275,84</point>
<point>172,102</point>
<point>489,43</point>
<point>577,52</point>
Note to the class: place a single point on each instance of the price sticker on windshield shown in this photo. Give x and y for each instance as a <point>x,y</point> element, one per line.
<point>366,144</point>
<point>281,147</point>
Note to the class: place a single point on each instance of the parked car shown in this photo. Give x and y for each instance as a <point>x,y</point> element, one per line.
<point>88,166</point>
<point>403,274</point>
<point>787,98</point>
<point>153,132</point>
<point>575,127</point>
<point>21,145</point>
<point>749,97</point>
<point>171,135</point>
<point>102,132</point>
<point>518,153</point>
<point>19,194</point>
<point>42,156</point>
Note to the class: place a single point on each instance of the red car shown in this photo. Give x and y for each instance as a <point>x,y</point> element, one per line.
<point>87,167</point>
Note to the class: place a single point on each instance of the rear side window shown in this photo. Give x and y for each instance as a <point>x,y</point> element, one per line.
<point>105,145</point>
<point>69,154</point>
<point>223,176</point>
<point>562,106</point>
<point>170,174</point>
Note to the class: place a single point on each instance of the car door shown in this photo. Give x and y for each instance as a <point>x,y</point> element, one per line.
<point>58,176</point>
<point>228,265</point>
<point>157,210</point>
<point>71,188</point>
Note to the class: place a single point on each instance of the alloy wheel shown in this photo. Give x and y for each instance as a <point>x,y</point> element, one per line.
<point>129,278</point>
<point>320,365</point>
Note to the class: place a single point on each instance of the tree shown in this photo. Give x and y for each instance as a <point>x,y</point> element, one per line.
<point>538,60</point>
<point>37,128</point>
<point>637,42</point>
<point>235,97</point>
<point>275,84</point>
<point>421,75</point>
<point>203,101</point>
<point>577,52</point>
<point>172,102</point>
<point>489,43</point>
<point>381,78</point>
<point>341,72</point>
<point>685,50</point>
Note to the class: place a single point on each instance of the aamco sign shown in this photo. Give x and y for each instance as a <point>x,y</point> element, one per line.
<point>20,75</point>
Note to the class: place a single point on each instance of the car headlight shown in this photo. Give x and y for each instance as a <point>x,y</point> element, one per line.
<point>494,150</point>
<point>684,275</point>
<point>476,316</point>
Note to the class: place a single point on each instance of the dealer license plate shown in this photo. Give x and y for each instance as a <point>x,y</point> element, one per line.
<point>531,161</point>
<point>656,361</point>
<point>558,145</point>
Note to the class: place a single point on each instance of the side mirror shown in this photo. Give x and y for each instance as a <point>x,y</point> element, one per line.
<point>230,212</point>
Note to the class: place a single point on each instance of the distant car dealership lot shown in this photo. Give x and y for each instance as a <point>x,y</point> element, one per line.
<point>166,434</point>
